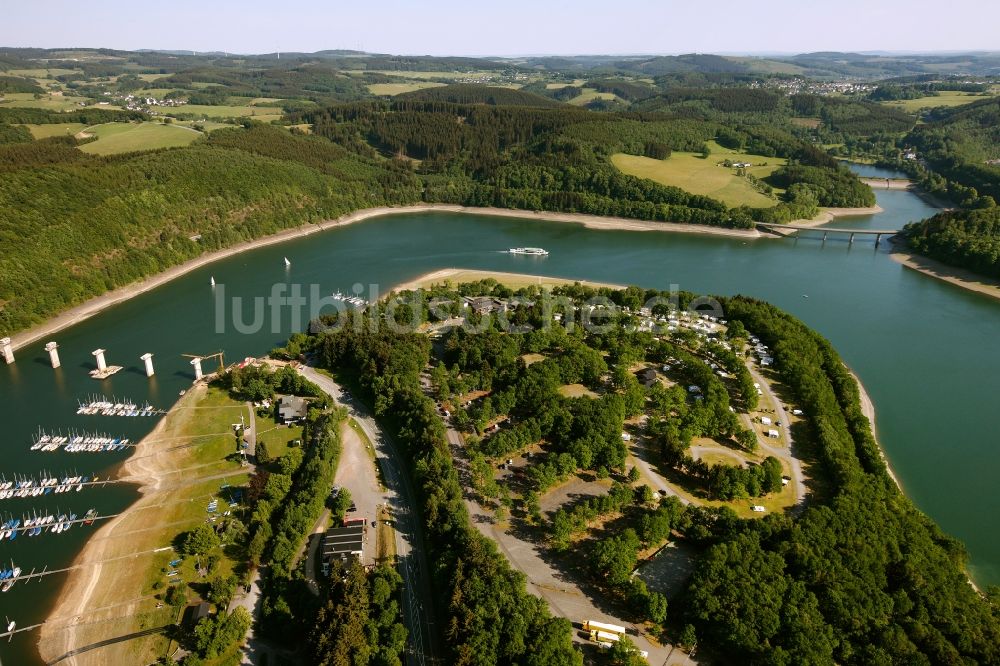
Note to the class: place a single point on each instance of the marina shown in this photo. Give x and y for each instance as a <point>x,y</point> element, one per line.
<point>27,487</point>
<point>102,406</point>
<point>356,301</point>
<point>79,443</point>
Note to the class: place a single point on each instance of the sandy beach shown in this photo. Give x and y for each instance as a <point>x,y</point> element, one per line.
<point>97,304</point>
<point>956,276</point>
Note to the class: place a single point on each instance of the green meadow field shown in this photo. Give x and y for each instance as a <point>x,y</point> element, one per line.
<point>55,129</point>
<point>115,138</point>
<point>948,98</point>
<point>400,88</point>
<point>693,173</point>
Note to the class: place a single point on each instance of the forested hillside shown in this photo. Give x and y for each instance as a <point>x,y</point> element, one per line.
<point>964,238</point>
<point>76,225</point>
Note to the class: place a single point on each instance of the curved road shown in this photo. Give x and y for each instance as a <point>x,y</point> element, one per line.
<point>418,614</point>
<point>780,453</point>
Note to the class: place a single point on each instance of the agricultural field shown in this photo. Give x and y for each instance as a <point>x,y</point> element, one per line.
<point>589,95</point>
<point>266,114</point>
<point>560,86</point>
<point>949,98</point>
<point>400,88</point>
<point>115,138</point>
<point>49,102</point>
<point>55,129</point>
<point>41,73</point>
<point>693,173</point>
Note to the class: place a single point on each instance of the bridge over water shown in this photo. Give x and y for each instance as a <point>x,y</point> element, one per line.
<point>792,228</point>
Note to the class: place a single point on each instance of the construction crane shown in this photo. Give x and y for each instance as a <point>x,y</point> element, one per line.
<point>203,357</point>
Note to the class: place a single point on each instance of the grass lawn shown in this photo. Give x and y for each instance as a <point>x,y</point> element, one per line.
<point>811,123</point>
<point>399,88</point>
<point>576,391</point>
<point>947,98</point>
<point>693,173</point>
<point>115,138</point>
<point>277,438</point>
<point>55,129</point>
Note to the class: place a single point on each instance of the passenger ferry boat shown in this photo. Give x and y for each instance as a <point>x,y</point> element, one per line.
<point>534,251</point>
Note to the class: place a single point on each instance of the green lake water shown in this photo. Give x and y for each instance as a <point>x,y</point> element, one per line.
<point>924,349</point>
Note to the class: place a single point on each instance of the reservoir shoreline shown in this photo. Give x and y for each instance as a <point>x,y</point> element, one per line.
<point>957,276</point>
<point>97,304</point>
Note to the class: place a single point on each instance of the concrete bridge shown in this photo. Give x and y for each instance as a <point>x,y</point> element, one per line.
<point>787,229</point>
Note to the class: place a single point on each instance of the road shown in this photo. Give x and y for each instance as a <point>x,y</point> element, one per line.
<point>250,436</point>
<point>781,453</point>
<point>418,613</point>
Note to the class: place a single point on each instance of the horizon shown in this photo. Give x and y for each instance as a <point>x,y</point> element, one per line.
<point>511,56</point>
<point>449,28</point>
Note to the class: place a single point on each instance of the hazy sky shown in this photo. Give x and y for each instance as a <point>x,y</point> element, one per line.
<point>514,27</point>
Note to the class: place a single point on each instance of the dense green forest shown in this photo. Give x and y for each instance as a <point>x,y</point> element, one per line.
<point>964,238</point>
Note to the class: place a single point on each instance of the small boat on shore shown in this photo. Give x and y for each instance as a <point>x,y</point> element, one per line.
<point>533,251</point>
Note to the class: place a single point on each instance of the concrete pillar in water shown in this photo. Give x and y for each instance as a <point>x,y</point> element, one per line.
<point>196,362</point>
<point>53,349</point>
<point>99,355</point>
<point>148,360</point>
<point>8,353</point>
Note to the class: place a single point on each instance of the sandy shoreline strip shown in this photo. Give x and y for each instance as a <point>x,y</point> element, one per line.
<point>97,304</point>
<point>827,215</point>
<point>951,274</point>
<point>868,409</point>
<point>75,596</point>
<point>459,275</point>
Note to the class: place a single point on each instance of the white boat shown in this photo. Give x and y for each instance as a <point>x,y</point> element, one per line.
<point>212,280</point>
<point>287,263</point>
<point>534,251</point>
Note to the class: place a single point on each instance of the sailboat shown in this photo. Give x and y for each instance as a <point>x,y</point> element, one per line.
<point>287,263</point>
<point>212,280</point>
<point>11,625</point>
